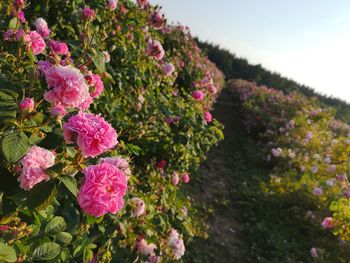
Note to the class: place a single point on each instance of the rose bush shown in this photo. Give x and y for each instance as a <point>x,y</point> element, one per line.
<point>96,117</point>
<point>307,148</point>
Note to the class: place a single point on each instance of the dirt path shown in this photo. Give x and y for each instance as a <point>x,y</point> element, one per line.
<point>217,187</point>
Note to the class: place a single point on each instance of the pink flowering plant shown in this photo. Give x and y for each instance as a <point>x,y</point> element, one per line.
<point>96,116</point>
<point>307,148</point>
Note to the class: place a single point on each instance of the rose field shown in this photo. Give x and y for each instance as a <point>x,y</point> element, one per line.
<point>121,141</point>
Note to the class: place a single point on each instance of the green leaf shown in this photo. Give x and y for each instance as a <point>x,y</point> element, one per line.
<point>88,255</point>
<point>70,183</point>
<point>46,251</point>
<point>41,195</point>
<point>7,253</point>
<point>13,23</point>
<point>100,62</point>
<point>65,255</point>
<point>55,225</point>
<point>14,145</point>
<point>64,238</point>
<point>8,104</point>
<point>35,229</point>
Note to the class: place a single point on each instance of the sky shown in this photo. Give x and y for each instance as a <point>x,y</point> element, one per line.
<point>305,40</point>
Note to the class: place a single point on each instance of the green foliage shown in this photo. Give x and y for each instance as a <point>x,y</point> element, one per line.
<point>7,253</point>
<point>46,251</point>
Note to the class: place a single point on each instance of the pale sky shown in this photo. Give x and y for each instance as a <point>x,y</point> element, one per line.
<point>306,40</point>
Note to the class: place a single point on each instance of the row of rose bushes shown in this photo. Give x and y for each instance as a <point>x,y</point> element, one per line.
<point>104,114</point>
<point>307,148</point>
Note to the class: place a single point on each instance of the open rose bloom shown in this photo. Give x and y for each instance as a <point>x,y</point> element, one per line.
<point>91,133</point>
<point>67,86</point>
<point>103,190</point>
<point>33,167</point>
<point>155,49</point>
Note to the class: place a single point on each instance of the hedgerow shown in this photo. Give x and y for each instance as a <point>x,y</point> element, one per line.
<point>307,148</point>
<point>104,114</point>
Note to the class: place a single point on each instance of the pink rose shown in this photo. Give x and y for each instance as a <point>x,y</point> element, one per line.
<point>44,66</point>
<point>19,3</point>
<point>317,191</point>
<point>103,190</point>
<point>27,104</point>
<point>186,178</point>
<point>120,162</point>
<point>314,169</point>
<point>58,111</point>
<point>112,4</point>
<point>88,13</point>
<point>95,81</point>
<point>176,244</point>
<point>175,179</point>
<point>155,20</point>
<point>9,35</point>
<point>60,48</point>
<point>327,223</point>
<point>21,35</point>
<point>145,248</point>
<point>208,117</point>
<point>107,56</point>
<point>21,16</point>
<point>68,86</point>
<point>276,152</point>
<point>41,27</point>
<point>155,49</point>
<point>341,177</point>
<point>313,252</point>
<point>168,69</point>
<point>33,167</point>
<point>4,228</point>
<point>212,89</point>
<point>161,164</point>
<point>142,3</point>
<point>198,95</point>
<point>91,133</point>
<point>153,259</point>
<point>36,43</point>
<point>138,207</point>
